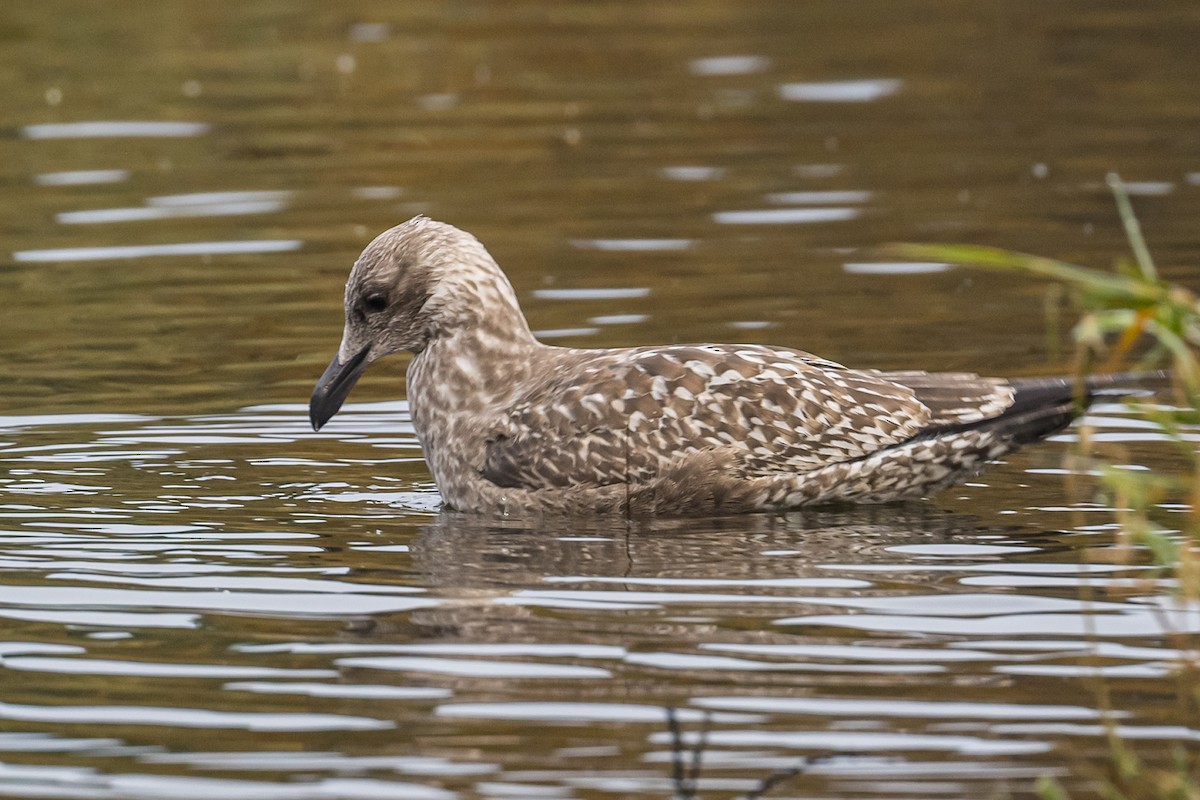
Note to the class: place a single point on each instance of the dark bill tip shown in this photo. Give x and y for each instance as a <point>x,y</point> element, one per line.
<point>334,386</point>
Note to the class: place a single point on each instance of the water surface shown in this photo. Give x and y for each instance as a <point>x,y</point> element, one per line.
<point>201,596</point>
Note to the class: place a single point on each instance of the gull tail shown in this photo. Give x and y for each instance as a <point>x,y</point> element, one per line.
<point>1042,407</point>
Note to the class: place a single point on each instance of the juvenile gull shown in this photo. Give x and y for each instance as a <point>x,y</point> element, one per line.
<point>510,425</point>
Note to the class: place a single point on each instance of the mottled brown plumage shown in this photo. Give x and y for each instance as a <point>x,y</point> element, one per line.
<point>510,425</point>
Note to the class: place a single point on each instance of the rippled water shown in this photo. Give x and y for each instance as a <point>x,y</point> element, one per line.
<point>200,596</point>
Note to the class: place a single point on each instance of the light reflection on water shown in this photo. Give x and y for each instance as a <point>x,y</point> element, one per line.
<point>784,216</point>
<point>114,128</point>
<point>121,252</point>
<point>863,91</point>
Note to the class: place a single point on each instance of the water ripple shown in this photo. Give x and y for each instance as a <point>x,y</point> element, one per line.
<point>784,216</point>
<point>188,718</point>
<point>123,252</point>
<point>114,129</point>
<point>861,91</point>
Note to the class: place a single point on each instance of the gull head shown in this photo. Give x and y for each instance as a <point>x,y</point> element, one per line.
<point>415,283</point>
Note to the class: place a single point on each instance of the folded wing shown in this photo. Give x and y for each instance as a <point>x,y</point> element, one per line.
<point>622,416</point>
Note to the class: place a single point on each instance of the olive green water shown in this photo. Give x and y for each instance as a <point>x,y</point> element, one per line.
<point>199,597</point>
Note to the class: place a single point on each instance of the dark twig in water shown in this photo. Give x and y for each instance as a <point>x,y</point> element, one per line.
<point>687,780</point>
<point>775,778</point>
<point>780,776</point>
<point>681,792</point>
<point>698,753</point>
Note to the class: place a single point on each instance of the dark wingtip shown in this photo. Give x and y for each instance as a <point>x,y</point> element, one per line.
<point>1043,406</point>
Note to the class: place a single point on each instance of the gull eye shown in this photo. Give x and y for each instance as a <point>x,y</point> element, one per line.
<point>374,303</point>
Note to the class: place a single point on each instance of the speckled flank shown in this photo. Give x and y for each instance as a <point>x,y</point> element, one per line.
<point>510,425</point>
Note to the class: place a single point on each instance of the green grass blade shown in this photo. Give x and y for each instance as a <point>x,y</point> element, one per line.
<point>1110,287</point>
<point>1133,228</point>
